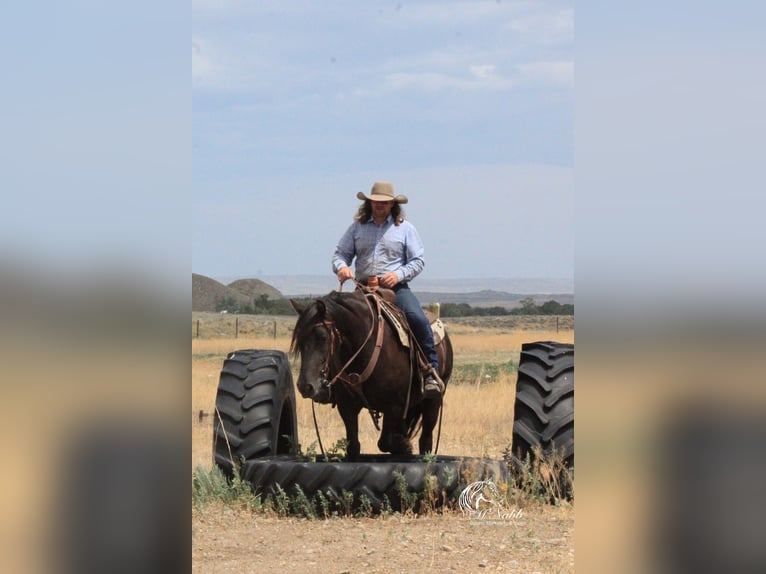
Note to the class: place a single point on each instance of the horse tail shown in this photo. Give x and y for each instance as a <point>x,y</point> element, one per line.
<point>414,421</point>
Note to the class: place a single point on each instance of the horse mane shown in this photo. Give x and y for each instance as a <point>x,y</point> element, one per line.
<point>306,320</point>
<point>334,303</point>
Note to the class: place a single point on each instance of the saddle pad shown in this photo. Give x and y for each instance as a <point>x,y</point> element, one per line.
<point>395,318</point>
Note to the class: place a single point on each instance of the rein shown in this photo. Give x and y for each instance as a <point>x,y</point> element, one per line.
<point>354,381</point>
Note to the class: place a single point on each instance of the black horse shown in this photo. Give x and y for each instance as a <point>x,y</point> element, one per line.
<point>352,357</point>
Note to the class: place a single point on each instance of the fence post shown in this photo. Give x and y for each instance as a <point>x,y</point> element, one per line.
<point>557,323</point>
<point>275,330</point>
<point>198,328</point>
<point>236,327</point>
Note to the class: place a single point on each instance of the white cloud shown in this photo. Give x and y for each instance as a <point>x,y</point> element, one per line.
<point>483,71</point>
<point>482,77</point>
<point>545,27</point>
<point>556,74</point>
<point>203,71</point>
<point>490,51</point>
<point>478,78</point>
<point>442,13</point>
<point>428,81</point>
<point>231,64</point>
<point>535,22</point>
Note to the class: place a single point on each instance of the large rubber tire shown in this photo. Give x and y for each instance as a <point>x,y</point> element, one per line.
<point>373,478</point>
<point>255,408</point>
<point>544,406</point>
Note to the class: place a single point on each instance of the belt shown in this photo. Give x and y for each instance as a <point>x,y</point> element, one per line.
<point>396,287</point>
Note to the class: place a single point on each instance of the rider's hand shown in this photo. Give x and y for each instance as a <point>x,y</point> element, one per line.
<point>389,280</point>
<point>344,274</point>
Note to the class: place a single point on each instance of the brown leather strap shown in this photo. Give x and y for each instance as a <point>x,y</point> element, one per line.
<point>359,350</point>
<point>354,380</point>
<point>378,341</point>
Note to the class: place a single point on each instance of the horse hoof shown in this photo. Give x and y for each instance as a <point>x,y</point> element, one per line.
<point>401,445</point>
<point>353,451</point>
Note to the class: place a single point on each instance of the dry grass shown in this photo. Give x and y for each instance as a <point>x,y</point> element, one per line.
<point>478,405</point>
<point>494,348</point>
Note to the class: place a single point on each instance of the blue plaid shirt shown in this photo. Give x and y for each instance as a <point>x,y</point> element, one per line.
<point>380,250</point>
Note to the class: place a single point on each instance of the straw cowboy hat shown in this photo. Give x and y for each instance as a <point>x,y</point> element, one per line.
<point>382,191</point>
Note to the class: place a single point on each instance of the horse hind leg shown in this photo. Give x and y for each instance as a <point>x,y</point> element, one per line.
<point>400,444</point>
<point>430,417</point>
<point>395,443</point>
<point>384,442</point>
<point>393,436</point>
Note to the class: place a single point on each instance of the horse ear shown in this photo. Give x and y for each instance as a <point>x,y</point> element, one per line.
<point>297,306</point>
<point>321,309</point>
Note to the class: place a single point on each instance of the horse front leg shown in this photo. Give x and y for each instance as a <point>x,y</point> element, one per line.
<point>349,412</point>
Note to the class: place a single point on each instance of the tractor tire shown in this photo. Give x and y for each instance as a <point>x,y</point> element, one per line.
<point>544,405</point>
<point>254,409</point>
<point>377,482</point>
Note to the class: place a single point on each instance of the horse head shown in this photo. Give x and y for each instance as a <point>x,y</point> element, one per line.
<point>313,339</point>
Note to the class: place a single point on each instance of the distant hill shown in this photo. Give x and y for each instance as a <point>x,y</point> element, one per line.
<point>317,285</point>
<point>507,293</point>
<point>208,293</point>
<point>255,288</point>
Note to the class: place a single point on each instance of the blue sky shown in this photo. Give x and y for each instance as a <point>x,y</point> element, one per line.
<point>106,161</point>
<point>95,136</point>
<point>466,106</point>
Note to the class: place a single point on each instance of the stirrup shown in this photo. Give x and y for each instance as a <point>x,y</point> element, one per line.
<point>433,387</point>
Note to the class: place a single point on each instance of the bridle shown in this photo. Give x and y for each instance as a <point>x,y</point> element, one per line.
<point>335,341</point>
<point>353,381</point>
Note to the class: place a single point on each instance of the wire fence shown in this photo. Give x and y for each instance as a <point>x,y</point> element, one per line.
<point>242,326</point>
<point>228,326</point>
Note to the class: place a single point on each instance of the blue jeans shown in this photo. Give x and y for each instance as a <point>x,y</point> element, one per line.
<point>421,328</point>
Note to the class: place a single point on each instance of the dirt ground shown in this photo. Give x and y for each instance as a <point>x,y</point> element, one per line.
<point>540,540</point>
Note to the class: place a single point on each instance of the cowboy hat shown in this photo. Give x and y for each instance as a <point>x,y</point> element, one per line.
<point>382,191</point>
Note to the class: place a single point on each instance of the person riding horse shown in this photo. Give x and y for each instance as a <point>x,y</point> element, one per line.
<point>389,252</point>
